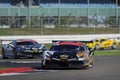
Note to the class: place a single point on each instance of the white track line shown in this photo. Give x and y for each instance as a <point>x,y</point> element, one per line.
<point>25,61</point>
<point>12,74</point>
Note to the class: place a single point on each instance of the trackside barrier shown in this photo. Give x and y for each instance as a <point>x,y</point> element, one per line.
<point>49,38</point>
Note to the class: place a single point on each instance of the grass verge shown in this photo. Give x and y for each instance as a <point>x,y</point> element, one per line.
<point>107,52</point>
<point>2,68</point>
<point>57,31</point>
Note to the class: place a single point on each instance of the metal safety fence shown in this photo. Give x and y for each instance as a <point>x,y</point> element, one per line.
<point>65,24</point>
<point>59,17</point>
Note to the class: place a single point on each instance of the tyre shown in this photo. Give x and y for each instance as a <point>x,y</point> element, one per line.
<point>15,55</point>
<point>3,54</point>
<point>43,65</point>
<point>86,66</point>
<point>96,47</point>
<point>92,61</point>
<point>114,46</point>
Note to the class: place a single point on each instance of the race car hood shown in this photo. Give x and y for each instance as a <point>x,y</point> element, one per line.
<point>27,46</point>
<point>24,47</point>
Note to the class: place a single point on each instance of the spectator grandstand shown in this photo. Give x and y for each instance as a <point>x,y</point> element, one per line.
<point>78,3</point>
<point>63,3</point>
<point>5,5</point>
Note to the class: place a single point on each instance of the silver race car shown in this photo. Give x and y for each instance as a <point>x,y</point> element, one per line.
<point>22,48</point>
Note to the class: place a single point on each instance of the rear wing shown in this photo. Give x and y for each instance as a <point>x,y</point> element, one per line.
<point>5,41</point>
<point>55,42</point>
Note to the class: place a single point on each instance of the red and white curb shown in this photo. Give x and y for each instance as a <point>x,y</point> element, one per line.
<point>15,71</point>
<point>21,71</point>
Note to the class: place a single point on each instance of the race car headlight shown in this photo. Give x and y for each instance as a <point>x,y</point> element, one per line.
<point>81,55</point>
<point>35,50</point>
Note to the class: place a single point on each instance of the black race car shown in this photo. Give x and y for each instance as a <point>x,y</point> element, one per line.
<point>64,54</point>
<point>22,48</point>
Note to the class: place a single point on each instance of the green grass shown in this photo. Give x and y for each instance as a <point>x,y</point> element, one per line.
<point>2,68</point>
<point>107,52</point>
<point>57,31</point>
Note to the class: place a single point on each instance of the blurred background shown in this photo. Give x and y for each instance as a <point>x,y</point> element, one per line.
<point>59,17</point>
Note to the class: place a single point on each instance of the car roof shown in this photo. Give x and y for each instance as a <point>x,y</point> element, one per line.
<point>26,40</point>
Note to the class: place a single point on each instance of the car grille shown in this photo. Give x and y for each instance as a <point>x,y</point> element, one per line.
<point>58,56</point>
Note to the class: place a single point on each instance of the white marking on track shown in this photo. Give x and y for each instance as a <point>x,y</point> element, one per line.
<point>42,70</point>
<point>25,61</point>
<point>12,74</point>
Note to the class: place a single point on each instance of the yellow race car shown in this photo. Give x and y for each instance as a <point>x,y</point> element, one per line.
<point>103,43</point>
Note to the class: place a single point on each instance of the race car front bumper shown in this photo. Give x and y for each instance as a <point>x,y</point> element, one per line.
<point>29,54</point>
<point>66,63</point>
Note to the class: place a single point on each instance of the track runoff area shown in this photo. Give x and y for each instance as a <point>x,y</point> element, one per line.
<point>105,68</point>
<point>27,66</point>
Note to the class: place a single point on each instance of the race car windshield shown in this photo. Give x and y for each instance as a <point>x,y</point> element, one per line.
<point>25,43</point>
<point>67,48</point>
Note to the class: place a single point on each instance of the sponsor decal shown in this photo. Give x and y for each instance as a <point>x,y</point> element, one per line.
<point>63,57</point>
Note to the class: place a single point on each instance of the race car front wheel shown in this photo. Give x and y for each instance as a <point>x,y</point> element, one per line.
<point>92,61</point>
<point>96,47</point>
<point>114,46</point>
<point>3,54</point>
<point>15,55</point>
<point>43,65</point>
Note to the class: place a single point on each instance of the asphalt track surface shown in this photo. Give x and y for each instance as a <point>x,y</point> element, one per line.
<point>105,68</point>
